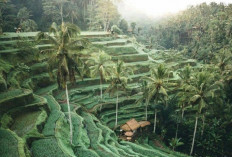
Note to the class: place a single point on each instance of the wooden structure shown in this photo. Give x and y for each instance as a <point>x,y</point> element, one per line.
<point>130,127</point>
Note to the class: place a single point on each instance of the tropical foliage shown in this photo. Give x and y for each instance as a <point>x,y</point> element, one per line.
<point>65,56</point>
<point>118,82</point>
<point>101,65</point>
<point>156,88</point>
<point>87,14</point>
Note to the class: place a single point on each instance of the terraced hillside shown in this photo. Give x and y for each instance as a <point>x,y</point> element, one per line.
<point>34,112</point>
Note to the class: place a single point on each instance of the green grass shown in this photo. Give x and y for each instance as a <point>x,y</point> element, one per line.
<point>11,145</point>
<point>55,114</point>
<point>44,122</point>
<point>15,98</point>
<point>25,122</point>
<point>47,147</point>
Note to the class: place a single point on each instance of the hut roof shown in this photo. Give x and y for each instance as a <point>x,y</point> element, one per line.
<point>129,133</point>
<point>144,123</point>
<point>133,124</point>
<point>125,127</point>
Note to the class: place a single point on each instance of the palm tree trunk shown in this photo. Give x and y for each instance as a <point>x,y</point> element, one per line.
<point>116,119</point>
<point>155,121</point>
<point>177,128</point>
<point>203,125</point>
<point>72,19</point>
<point>84,12</point>
<point>101,87</point>
<point>146,110</point>
<point>1,24</point>
<point>194,135</point>
<point>101,92</point>
<point>61,12</point>
<point>182,115</point>
<point>69,115</point>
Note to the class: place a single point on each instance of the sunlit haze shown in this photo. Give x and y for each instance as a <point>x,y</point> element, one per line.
<point>156,8</point>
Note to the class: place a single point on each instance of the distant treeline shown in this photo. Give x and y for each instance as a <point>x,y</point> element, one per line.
<point>201,30</point>
<point>34,15</point>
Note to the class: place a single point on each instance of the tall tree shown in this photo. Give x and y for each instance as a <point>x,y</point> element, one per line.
<point>186,78</point>
<point>55,9</point>
<point>101,66</point>
<point>144,98</point>
<point>23,14</point>
<point>64,55</point>
<point>26,23</point>
<point>157,85</point>
<point>201,91</point>
<point>123,25</point>
<point>84,4</point>
<point>133,25</point>
<point>93,23</point>
<point>8,16</point>
<point>106,13</point>
<point>118,79</point>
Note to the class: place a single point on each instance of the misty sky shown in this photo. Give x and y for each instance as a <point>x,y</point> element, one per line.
<point>156,8</point>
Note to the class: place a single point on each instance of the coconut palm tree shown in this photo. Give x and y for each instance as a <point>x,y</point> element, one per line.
<point>118,79</point>
<point>101,66</point>
<point>156,88</point>
<point>144,98</point>
<point>223,59</point>
<point>64,55</point>
<point>186,78</point>
<point>185,75</point>
<point>202,90</point>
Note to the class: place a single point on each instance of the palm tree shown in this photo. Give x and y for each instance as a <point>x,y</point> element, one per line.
<point>133,25</point>
<point>144,98</point>
<point>202,91</point>
<point>84,4</point>
<point>156,90</point>
<point>223,58</point>
<point>186,78</point>
<point>102,66</point>
<point>2,5</point>
<point>64,54</point>
<point>185,75</point>
<point>118,79</point>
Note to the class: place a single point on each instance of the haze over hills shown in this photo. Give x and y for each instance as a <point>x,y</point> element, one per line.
<point>137,10</point>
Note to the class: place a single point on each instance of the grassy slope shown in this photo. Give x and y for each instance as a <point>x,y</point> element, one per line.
<point>47,133</point>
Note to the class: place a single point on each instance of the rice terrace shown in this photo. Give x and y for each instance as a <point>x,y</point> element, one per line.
<point>115,78</point>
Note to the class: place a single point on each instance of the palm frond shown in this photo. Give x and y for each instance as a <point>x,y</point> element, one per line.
<point>53,29</point>
<point>42,35</point>
<point>78,44</point>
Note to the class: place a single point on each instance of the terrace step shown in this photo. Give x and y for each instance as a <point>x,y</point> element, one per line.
<point>131,58</point>
<point>15,98</point>
<point>11,145</point>
<point>117,42</point>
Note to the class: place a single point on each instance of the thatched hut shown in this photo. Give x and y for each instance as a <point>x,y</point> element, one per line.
<point>129,128</point>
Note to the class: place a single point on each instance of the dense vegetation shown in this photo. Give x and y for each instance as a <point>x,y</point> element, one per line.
<point>201,32</point>
<point>73,86</point>
<point>40,14</point>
